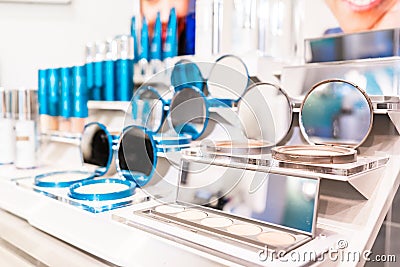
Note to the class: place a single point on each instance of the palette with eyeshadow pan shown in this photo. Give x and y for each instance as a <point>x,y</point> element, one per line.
<point>283,218</point>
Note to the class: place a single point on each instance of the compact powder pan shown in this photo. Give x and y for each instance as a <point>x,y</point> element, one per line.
<point>318,154</point>
<point>240,147</point>
<point>244,229</point>
<point>216,222</point>
<point>276,238</point>
<point>101,188</point>
<point>169,209</point>
<point>192,215</point>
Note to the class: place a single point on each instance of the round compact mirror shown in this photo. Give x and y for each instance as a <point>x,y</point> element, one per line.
<point>96,151</point>
<point>336,117</point>
<point>189,113</point>
<point>136,155</point>
<point>336,112</point>
<point>148,109</point>
<point>96,147</point>
<point>186,74</point>
<point>228,79</point>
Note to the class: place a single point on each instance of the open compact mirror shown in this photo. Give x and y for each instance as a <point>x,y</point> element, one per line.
<point>228,78</point>
<point>336,117</point>
<point>148,109</point>
<point>188,113</point>
<point>186,74</point>
<point>96,152</point>
<point>265,114</point>
<point>136,155</point>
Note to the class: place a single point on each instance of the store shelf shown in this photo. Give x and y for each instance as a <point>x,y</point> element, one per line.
<point>109,105</point>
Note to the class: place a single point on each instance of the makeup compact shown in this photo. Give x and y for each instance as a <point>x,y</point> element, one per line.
<point>228,80</point>
<point>265,116</point>
<point>335,118</point>
<point>96,151</point>
<point>186,116</point>
<point>186,74</point>
<point>216,208</point>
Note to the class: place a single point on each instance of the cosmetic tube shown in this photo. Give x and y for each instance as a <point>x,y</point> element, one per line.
<point>7,132</point>
<point>80,99</point>
<point>170,48</point>
<point>25,128</point>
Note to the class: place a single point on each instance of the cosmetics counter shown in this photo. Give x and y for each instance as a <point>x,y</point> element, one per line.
<point>173,172</point>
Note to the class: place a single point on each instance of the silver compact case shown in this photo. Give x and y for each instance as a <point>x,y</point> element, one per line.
<point>336,117</point>
<point>265,116</point>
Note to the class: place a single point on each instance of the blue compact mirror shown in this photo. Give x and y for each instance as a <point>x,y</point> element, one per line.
<point>188,112</point>
<point>136,155</point>
<point>148,109</point>
<point>96,153</point>
<point>186,74</point>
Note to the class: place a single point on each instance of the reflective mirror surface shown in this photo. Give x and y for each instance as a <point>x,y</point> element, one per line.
<point>96,146</point>
<point>265,113</point>
<point>148,109</point>
<point>228,78</point>
<point>137,158</point>
<point>189,112</point>
<point>186,74</point>
<point>282,200</point>
<point>336,112</point>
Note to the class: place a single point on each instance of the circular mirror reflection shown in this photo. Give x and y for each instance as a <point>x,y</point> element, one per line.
<point>189,112</point>
<point>186,74</point>
<point>265,113</point>
<point>228,78</point>
<point>96,145</point>
<point>336,112</point>
<point>148,109</point>
<point>136,155</point>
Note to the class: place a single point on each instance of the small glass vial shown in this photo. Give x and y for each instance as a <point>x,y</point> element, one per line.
<point>7,131</point>
<point>25,128</point>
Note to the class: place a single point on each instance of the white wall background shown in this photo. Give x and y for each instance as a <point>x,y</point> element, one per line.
<point>34,36</point>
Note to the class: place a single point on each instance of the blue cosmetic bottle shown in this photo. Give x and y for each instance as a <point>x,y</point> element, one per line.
<point>156,46</point>
<point>135,41</point>
<point>80,99</point>
<point>53,97</point>
<point>124,67</point>
<point>90,58</point>
<point>109,74</point>
<point>66,99</point>
<point>98,71</point>
<point>170,48</point>
<point>144,48</point>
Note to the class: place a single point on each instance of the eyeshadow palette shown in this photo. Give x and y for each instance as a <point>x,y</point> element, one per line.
<point>227,226</point>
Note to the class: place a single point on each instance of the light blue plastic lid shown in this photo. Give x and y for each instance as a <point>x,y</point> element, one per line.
<point>136,155</point>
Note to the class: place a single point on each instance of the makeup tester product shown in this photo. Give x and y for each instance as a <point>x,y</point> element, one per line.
<point>135,47</point>
<point>80,99</point>
<point>90,59</point>
<point>43,94</point>
<point>144,49</point>
<point>7,132</point>
<point>98,71</point>
<point>66,100</point>
<point>170,48</point>
<point>124,67</point>
<point>53,97</point>
<point>25,128</point>
<point>109,74</point>
<point>156,46</point>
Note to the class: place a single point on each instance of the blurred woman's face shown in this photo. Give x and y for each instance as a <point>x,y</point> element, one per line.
<point>150,8</point>
<point>359,15</point>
